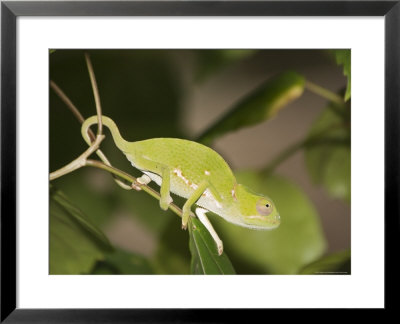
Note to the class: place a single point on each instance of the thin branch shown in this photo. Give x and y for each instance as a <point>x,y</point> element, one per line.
<point>83,160</point>
<point>79,161</point>
<point>325,93</point>
<point>288,152</point>
<point>99,116</point>
<point>75,111</point>
<point>133,180</point>
<point>95,93</point>
<point>314,140</point>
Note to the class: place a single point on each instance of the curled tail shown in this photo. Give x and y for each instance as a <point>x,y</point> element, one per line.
<point>119,141</point>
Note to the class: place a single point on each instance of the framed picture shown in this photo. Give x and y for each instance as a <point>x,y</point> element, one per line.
<point>150,147</point>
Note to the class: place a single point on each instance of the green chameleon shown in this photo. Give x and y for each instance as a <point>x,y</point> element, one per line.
<point>197,173</point>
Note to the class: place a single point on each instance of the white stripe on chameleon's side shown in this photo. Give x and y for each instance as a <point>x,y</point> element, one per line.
<point>179,174</point>
<point>206,194</point>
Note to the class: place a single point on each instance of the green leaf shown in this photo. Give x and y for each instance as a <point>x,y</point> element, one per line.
<point>260,105</point>
<point>298,240</point>
<point>123,262</point>
<point>52,51</point>
<point>343,57</point>
<point>211,61</point>
<point>75,243</point>
<point>205,258</point>
<point>93,191</point>
<point>172,255</point>
<point>328,160</point>
<point>335,263</point>
<point>168,261</point>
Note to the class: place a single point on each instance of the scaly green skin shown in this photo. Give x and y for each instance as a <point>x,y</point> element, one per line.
<point>196,172</point>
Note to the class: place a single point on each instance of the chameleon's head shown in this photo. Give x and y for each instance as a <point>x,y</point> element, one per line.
<point>257,211</point>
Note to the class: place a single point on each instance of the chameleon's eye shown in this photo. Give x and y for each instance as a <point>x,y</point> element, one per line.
<point>264,207</point>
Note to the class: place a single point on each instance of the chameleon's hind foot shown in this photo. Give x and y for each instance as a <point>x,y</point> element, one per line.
<point>136,185</point>
<point>165,202</point>
<point>144,179</point>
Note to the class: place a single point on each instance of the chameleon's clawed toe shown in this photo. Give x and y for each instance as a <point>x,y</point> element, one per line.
<point>144,179</point>
<point>164,203</point>
<point>136,186</point>
<point>220,248</point>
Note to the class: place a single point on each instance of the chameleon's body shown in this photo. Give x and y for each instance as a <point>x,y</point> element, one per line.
<point>197,173</point>
<point>190,164</point>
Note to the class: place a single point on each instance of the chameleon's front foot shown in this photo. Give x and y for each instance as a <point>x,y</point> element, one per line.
<point>185,218</point>
<point>201,214</point>
<point>220,247</point>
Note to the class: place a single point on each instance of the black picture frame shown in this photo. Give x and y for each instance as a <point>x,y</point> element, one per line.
<point>10,10</point>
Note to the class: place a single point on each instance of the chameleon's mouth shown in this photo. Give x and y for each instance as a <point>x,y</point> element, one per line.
<point>256,217</point>
<point>276,220</point>
<point>264,222</point>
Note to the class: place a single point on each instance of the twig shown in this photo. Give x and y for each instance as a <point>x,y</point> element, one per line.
<point>95,94</point>
<point>325,93</point>
<point>284,156</point>
<point>314,140</point>
<point>131,179</point>
<point>83,160</point>
<point>75,111</point>
<point>79,161</point>
<point>99,116</point>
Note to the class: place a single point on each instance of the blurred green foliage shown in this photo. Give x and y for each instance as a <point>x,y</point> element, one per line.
<point>210,62</point>
<point>143,93</point>
<point>260,105</point>
<point>328,152</point>
<point>335,263</point>
<point>343,57</point>
<point>75,242</point>
<point>122,262</point>
<point>205,258</point>
<point>298,241</point>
